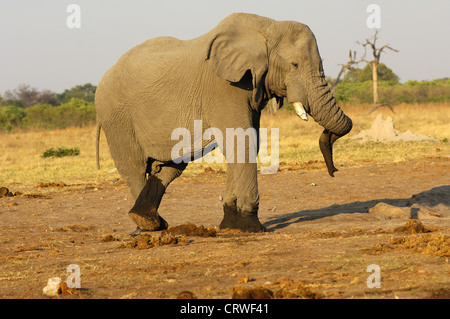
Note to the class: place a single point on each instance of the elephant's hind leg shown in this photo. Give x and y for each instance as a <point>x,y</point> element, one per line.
<point>145,210</point>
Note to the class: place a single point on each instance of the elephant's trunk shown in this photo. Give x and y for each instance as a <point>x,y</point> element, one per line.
<point>327,113</point>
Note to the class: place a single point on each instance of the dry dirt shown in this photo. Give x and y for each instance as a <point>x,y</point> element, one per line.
<point>322,235</point>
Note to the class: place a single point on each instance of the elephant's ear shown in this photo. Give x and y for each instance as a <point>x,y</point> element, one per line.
<point>232,52</point>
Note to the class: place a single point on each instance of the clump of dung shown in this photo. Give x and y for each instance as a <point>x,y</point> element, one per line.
<point>412,226</point>
<point>437,244</point>
<point>51,184</point>
<point>257,292</point>
<point>4,192</point>
<point>186,295</point>
<point>190,230</point>
<point>282,288</point>
<point>145,241</point>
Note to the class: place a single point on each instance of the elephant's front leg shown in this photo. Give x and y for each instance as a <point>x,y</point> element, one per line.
<point>241,201</point>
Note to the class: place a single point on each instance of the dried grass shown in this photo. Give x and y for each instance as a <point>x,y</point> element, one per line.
<point>21,164</point>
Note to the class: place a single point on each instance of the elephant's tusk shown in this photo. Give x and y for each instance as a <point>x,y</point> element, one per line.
<point>300,110</point>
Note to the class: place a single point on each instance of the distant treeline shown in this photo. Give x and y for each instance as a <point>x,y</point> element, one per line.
<point>393,92</point>
<point>357,88</point>
<point>76,112</point>
<point>27,107</point>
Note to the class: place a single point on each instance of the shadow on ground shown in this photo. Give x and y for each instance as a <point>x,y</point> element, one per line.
<point>433,197</point>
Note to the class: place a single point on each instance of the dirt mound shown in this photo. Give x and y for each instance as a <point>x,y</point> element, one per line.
<point>383,130</point>
<point>391,211</point>
<point>145,241</point>
<point>434,203</point>
<point>190,230</point>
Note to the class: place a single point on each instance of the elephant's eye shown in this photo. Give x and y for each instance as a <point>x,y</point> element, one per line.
<point>295,65</point>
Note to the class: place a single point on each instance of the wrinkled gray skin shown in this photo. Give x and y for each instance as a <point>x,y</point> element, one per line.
<point>224,78</point>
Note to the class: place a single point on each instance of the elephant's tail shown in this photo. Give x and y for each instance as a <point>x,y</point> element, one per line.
<point>97,144</point>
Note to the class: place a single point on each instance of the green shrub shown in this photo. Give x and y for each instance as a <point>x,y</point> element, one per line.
<point>60,152</point>
<point>358,92</point>
<point>76,112</point>
<point>10,116</point>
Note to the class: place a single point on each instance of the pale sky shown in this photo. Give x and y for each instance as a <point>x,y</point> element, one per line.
<point>37,47</point>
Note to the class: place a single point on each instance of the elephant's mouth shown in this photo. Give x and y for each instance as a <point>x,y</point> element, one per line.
<point>300,110</point>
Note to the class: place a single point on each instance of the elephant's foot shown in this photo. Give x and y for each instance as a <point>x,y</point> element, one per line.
<point>234,219</point>
<point>148,223</point>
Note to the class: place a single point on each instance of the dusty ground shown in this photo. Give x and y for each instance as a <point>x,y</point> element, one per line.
<point>321,237</point>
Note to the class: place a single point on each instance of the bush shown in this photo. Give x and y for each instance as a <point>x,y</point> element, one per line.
<point>358,92</point>
<point>76,112</point>
<point>10,116</point>
<point>60,152</point>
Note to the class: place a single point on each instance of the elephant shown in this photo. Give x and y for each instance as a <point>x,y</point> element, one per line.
<point>224,78</point>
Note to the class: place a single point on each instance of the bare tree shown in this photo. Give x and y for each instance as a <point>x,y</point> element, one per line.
<point>48,97</point>
<point>376,52</point>
<point>30,96</point>
<point>345,67</point>
<point>24,93</point>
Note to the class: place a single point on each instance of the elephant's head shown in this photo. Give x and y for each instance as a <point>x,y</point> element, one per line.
<point>284,62</point>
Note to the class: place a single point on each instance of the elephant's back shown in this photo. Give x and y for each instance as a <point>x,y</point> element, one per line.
<point>160,44</point>
<point>138,69</point>
<point>150,55</point>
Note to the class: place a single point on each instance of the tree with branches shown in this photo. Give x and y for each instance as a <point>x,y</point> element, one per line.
<point>376,52</point>
<point>346,67</point>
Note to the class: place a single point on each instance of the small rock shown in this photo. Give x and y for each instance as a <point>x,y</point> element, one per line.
<point>52,289</point>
